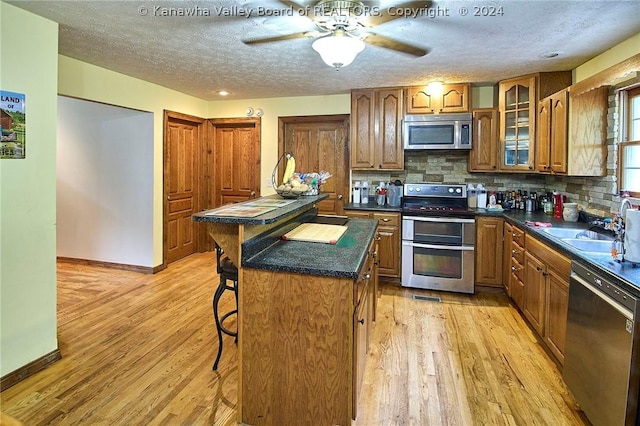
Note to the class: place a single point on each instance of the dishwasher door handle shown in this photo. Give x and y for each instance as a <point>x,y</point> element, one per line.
<point>623,310</point>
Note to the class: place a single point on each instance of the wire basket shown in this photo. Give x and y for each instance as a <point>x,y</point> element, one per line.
<point>309,183</point>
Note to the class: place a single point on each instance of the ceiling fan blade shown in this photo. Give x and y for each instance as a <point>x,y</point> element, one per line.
<point>388,43</point>
<point>385,15</point>
<point>306,34</point>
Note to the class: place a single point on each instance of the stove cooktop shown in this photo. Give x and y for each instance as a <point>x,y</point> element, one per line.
<point>430,199</point>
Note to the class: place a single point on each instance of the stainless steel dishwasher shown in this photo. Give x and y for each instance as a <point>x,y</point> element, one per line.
<point>601,351</point>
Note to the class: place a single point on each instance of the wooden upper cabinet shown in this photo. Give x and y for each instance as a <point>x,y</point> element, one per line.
<point>517,123</point>
<point>483,156</point>
<point>362,129</point>
<point>518,99</point>
<point>587,144</point>
<point>454,98</point>
<point>376,129</point>
<point>551,145</point>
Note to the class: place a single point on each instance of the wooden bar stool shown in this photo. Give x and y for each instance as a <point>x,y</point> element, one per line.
<point>228,272</point>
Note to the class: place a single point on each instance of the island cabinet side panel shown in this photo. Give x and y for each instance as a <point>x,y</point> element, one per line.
<point>296,342</point>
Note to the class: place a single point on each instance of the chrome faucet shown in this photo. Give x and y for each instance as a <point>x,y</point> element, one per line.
<point>624,205</point>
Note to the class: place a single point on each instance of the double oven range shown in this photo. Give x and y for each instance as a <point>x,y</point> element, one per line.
<point>438,238</point>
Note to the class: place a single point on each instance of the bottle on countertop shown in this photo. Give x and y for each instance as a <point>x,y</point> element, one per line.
<point>482,196</point>
<point>356,192</point>
<point>364,192</point>
<point>472,196</point>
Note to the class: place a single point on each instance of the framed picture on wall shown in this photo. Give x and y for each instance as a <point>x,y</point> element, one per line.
<point>12,125</point>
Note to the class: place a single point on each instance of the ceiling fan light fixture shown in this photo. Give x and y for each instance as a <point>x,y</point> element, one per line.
<point>338,49</point>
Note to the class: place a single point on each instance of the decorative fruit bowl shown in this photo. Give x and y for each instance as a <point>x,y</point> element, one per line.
<point>294,184</point>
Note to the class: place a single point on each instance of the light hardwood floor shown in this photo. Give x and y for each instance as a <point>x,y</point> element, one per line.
<point>137,350</point>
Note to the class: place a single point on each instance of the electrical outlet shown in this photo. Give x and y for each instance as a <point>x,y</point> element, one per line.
<point>268,182</point>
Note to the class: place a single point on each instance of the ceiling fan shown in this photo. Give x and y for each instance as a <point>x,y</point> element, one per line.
<point>344,26</point>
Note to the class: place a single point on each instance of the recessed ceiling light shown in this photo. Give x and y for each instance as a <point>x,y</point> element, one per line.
<point>223,93</point>
<point>549,55</point>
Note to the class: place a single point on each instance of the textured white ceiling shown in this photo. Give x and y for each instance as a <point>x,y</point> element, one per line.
<point>200,55</point>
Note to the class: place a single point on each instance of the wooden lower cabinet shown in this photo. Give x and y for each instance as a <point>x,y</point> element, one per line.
<point>537,280</point>
<point>304,343</point>
<point>534,292</point>
<point>389,235</point>
<point>488,267</point>
<point>556,314</point>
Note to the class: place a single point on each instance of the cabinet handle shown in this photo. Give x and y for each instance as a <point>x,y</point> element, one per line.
<point>340,196</point>
<point>514,235</point>
<point>538,268</point>
<point>386,219</point>
<point>374,254</point>
<point>378,238</point>
<point>361,321</point>
<point>514,251</point>
<point>514,269</point>
<point>367,276</point>
<point>544,274</point>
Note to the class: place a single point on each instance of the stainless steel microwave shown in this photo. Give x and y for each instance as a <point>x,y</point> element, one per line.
<point>437,131</point>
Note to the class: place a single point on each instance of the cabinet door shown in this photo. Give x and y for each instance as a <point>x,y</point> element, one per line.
<point>534,292</point>
<point>517,291</point>
<point>489,251</point>
<point>389,151</point>
<point>362,141</point>
<point>557,305</point>
<point>360,343</point>
<point>389,251</point>
<point>543,144</point>
<point>419,101</point>
<point>455,98</point>
<point>506,257</point>
<point>484,150</point>
<point>517,123</point>
<point>559,131</point>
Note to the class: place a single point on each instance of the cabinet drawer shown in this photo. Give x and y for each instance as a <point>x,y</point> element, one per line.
<point>359,214</point>
<point>387,219</point>
<point>518,236</point>
<point>517,269</point>
<point>517,252</point>
<point>549,257</point>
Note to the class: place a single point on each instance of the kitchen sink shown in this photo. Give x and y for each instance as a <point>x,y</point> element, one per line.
<point>576,233</point>
<point>594,246</point>
<point>563,232</point>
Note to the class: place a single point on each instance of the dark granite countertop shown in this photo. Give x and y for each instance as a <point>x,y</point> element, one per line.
<point>372,207</point>
<point>299,205</point>
<point>623,273</point>
<point>343,260</point>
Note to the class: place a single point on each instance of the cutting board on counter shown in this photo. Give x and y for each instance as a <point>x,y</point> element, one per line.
<point>316,233</point>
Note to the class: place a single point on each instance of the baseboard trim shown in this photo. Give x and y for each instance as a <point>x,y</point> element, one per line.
<point>124,266</point>
<point>28,370</point>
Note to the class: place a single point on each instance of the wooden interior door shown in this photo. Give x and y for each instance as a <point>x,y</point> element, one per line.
<point>182,145</point>
<point>236,147</point>
<point>320,143</point>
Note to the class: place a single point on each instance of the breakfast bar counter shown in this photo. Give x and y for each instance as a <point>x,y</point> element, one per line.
<point>305,311</point>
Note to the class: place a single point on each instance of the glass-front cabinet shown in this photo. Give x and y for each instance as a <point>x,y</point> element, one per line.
<point>517,123</point>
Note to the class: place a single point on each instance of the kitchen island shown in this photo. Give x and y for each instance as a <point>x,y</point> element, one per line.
<point>305,312</point>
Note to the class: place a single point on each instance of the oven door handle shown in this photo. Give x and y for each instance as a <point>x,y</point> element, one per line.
<point>438,219</point>
<point>437,247</point>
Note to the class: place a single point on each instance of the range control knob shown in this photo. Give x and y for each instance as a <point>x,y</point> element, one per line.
<point>418,189</point>
<point>458,191</point>
<point>451,190</point>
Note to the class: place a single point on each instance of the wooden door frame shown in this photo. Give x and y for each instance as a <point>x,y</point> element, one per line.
<point>201,231</point>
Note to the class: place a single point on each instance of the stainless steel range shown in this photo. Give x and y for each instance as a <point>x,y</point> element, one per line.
<point>438,238</point>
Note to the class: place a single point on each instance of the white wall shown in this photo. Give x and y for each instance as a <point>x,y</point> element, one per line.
<point>85,81</point>
<point>28,64</point>
<point>104,183</point>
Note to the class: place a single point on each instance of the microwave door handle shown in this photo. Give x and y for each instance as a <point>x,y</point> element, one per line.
<point>438,219</point>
